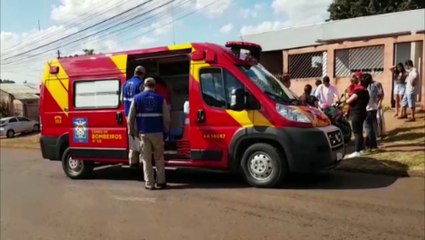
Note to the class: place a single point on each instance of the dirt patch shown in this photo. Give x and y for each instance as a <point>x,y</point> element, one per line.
<point>21,141</point>
<point>402,151</point>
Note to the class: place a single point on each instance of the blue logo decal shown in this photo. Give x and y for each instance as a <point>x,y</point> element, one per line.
<point>81,134</point>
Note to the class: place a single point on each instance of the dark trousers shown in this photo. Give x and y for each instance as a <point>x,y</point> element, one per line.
<point>357,120</point>
<point>371,124</point>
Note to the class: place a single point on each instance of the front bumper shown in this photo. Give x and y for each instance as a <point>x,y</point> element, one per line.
<point>2,131</point>
<point>312,149</point>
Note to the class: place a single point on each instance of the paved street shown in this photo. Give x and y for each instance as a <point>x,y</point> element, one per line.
<point>39,202</point>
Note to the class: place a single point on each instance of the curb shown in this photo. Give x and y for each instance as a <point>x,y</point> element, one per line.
<point>384,171</point>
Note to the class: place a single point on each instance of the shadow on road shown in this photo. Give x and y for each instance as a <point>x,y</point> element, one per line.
<point>373,165</point>
<point>339,180</point>
<point>205,179</point>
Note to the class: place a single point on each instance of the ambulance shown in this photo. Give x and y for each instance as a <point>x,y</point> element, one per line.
<point>241,118</point>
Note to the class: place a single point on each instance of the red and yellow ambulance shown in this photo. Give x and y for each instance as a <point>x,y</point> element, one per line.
<point>241,117</point>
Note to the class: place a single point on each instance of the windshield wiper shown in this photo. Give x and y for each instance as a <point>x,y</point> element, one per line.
<point>281,99</point>
<point>277,97</point>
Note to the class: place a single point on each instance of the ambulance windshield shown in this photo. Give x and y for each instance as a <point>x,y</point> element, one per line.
<point>268,83</point>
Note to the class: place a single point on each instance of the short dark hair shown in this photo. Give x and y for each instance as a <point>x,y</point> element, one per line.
<point>285,77</point>
<point>318,82</point>
<point>308,88</point>
<point>366,80</point>
<point>326,79</point>
<point>409,63</point>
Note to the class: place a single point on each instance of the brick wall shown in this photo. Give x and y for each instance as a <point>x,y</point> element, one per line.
<point>389,44</point>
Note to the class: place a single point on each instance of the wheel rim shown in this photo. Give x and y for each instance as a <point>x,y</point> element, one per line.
<point>260,166</point>
<point>74,166</point>
<point>10,134</point>
<point>35,128</point>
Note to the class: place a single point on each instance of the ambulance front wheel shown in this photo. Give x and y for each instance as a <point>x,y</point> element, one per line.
<point>263,165</point>
<point>76,169</point>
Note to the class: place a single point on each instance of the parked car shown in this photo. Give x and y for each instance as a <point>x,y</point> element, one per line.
<point>10,126</point>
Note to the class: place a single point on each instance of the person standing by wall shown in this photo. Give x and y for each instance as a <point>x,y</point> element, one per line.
<point>358,102</point>
<point>380,128</point>
<point>309,99</point>
<point>400,75</point>
<point>130,88</point>
<point>326,93</point>
<point>286,80</point>
<point>150,113</point>
<point>409,99</point>
<point>355,85</point>
<point>372,111</point>
<point>317,83</point>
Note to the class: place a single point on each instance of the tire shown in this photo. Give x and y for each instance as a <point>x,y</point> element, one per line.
<point>264,166</point>
<point>36,128</point>
<point>76,169</point>
<point>10,133</point>
<point>346,130</point>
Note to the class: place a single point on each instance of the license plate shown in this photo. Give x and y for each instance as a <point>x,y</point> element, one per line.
<point>339,156</point>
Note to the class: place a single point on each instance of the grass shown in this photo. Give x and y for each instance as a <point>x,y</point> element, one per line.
<point>21,141</point>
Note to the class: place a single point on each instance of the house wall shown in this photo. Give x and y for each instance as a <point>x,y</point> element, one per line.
<point>6,101</point>
<point>395,49</point>
<point>31,109</point>
<point>273,60</point>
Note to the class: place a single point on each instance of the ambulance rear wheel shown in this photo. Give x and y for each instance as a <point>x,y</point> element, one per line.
<point>263,165</point>
<point>76,169</point>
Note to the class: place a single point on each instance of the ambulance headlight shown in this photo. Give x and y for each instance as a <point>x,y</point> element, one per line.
<point>292,113</point>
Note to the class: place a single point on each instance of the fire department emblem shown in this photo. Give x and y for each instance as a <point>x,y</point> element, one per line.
<point>80,130</point>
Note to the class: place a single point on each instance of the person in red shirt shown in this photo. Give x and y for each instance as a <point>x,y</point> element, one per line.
<point>354,86</point>
<point>161,89</point>
<point>355,80</point>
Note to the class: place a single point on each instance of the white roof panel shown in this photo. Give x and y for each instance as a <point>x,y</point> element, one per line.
<point>383,24</point>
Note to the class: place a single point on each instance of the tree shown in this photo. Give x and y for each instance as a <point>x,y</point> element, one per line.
<point>343,9</point>
<point>88,51</point>
<point>6,81</point>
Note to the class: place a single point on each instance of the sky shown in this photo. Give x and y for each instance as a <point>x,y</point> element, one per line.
<point>27,24</point>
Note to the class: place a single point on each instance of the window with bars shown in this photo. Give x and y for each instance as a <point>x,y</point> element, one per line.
<point>364,59</point>
<point>307,65</point>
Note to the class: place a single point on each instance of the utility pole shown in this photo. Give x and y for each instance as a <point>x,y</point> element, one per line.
<point>174,33</point>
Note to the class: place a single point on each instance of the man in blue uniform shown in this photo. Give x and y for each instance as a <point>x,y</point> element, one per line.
<point>130,88</point>
<point>150,112</point>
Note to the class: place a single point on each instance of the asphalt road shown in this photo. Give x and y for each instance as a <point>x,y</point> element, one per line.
<point>39,202</point>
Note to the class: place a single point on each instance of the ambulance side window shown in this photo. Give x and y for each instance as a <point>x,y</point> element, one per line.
<point>212,87</point>
<point>231,82</point>
<point>97,94</point>
<point>217,85</point>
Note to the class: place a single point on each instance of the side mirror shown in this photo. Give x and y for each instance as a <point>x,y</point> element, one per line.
<point>237,99</point>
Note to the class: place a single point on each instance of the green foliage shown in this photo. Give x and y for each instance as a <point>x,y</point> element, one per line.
<point>88,51</point>
<point>6,81</point>
<point>343,9</point>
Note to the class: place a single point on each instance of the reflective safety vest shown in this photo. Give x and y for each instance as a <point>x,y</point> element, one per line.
<point>130,89</point>
<point>149,117</point>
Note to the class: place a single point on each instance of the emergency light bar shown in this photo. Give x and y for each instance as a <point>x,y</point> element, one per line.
<point>245,50</point>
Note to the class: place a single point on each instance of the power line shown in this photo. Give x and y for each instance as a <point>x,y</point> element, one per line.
<point>124,27</point>
<point>85,29</point>
<point>73,23</point>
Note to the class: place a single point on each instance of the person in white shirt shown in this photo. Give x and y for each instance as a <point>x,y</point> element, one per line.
<point>372,108</point>
<point>326,93</point>
<point>409,99</point>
